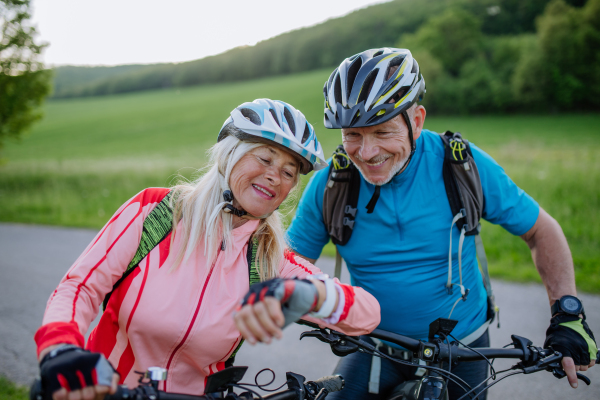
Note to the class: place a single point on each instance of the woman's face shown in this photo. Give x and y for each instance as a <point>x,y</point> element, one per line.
<point>262,179</point>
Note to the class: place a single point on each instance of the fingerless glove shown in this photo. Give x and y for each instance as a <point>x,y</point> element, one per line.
<point>297,296</point>
<point>72,368</point>
<point>573,338</point>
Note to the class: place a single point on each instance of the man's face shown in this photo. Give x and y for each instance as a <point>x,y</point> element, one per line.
<point>379,151</point>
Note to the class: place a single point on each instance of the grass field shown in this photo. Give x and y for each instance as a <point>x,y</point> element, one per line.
<point>89,155</point>
<point>10,391</point>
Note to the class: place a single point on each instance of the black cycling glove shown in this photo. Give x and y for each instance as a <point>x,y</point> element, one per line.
<point>573,338</point>
<point>297,296</point>
<point>72,368</point>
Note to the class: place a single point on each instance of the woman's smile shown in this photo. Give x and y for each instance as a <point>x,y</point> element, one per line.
<point>263,192</point>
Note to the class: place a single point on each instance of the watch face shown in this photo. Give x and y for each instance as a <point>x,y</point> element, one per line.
<point>570,304</point>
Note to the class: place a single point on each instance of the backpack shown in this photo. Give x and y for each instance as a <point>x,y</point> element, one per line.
<point>157,226</point>
<point>463,189</point>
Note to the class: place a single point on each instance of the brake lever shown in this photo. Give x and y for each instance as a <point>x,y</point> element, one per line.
<point>339,345</point>
<point>322,335</point>
<point>560,373</point>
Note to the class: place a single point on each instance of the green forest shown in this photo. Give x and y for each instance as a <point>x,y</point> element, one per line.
<point>477,56</point>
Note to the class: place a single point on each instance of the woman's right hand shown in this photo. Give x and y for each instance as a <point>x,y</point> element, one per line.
<point>273,304</point>
<point>72,373</point>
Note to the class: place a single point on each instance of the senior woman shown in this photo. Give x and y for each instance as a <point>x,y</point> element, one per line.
<point>174,308</point>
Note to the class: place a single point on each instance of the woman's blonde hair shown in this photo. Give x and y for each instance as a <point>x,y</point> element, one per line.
<point>198,205</point>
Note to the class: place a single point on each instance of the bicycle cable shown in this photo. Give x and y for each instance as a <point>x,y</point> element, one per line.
<point>448,375</point>
<point>493,383</point>
<point>505,346</point>
<point>440,371</point>
<point>492,370</point>
<point>487,379</point>
<point>262,386</point>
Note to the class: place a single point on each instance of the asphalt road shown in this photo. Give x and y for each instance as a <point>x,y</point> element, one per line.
<point>33,259</point>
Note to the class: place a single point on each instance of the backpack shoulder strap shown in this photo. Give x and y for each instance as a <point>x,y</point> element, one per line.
<point>340,197</point>
<point>157,225</point>
<point>465,196</point>
<point>340,201</point>
<point>254,277</point>
<point>253,269</point>
<point>462,182</point>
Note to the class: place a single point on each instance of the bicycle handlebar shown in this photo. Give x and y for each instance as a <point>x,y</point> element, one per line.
<point>147,391</point>
<point>533,359</point>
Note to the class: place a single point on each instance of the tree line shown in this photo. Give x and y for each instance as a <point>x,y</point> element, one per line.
<point>467,70</point>
<point>476,55</point>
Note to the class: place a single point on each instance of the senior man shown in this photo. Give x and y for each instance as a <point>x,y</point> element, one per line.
<point>399,246</point>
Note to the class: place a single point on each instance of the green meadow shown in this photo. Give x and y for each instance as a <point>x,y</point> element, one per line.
<point>11,391</point>
<point>88,155</point>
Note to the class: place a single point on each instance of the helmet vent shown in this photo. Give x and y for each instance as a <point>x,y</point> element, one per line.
<point>355,118</point>
<point>306,134</point>
<point>251,115</point>
<point>337,89</point>
<point>380,52</point>
<point>352,71</point>
<point>399,94</point>
<point>290,120</point>
<point>393,65</point>
<point>374,118</point>
<point>275,117</point>
<point>415,67</point>
<point>366,87</point>
<point>330,81</point>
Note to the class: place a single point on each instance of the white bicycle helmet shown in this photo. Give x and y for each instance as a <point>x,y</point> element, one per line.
<point>358,93</point>
<point>276,122</point>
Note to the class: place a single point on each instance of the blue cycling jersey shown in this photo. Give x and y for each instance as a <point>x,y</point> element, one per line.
<point>399,253</point>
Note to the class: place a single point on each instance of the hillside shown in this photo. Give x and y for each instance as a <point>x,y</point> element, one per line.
<point>306,49</point>
<point>89,155</point>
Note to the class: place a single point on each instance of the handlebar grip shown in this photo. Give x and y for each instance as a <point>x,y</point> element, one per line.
<point>331,383</point>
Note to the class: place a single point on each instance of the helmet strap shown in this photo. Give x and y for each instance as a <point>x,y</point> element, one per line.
<point>373,201</point>
<point>413,145</point>
<point>410,132</point>
<point>230,209</point>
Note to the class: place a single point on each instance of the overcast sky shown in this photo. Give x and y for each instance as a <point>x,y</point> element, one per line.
<point>112,32</point>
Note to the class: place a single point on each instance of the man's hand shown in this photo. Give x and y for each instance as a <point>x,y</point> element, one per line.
<point>571,336</point>
<point>271,305</point>
<point>72,373</point>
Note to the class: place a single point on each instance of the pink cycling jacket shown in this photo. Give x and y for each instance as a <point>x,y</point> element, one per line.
<point>180,320</point>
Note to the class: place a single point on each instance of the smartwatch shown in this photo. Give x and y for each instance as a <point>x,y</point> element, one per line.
<point>569,305</point>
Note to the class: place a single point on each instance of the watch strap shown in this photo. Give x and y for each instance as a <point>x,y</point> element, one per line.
<point>555,308</point>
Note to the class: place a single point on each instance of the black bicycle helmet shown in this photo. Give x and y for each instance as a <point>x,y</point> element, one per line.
<point>359,93</point>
